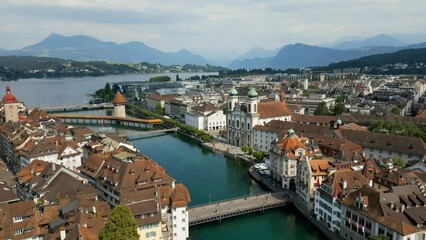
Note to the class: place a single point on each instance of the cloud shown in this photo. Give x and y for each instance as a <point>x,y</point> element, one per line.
<point>221,25</point>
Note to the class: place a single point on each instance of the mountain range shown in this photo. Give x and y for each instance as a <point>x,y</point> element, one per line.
<point>302,55</point>
<point>84,48</point>
<point>378,40</point>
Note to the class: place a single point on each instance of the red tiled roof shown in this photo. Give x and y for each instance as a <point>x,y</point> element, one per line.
<point>119,99</point>
<point>273,109</point>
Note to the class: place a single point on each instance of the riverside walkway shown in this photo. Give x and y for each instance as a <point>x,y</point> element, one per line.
<point>238,206</point>
<point>150,133</point>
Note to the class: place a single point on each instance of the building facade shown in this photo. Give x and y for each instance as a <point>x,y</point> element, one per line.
<point>242,116</point>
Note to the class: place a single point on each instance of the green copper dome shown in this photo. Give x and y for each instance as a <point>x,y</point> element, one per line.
<point>233,92</point>
<point>252,93</point>
<point>290,133</point>
<point>339,121</point>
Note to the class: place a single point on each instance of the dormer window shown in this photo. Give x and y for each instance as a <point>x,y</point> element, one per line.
<point>157,180</point>
<point>17,219</point>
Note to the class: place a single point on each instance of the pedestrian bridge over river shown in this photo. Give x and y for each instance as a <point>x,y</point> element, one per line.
<point>109,120</point>
<point>238,206</point>
<point>70,108</point>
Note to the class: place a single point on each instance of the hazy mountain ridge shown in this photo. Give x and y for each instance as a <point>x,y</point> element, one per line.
<point>302,55</point>
<point>378,40</point>
<point>258,52</point>
<point>84,48</point>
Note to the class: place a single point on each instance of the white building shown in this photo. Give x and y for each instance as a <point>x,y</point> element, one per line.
<point>206,117</point>
<point>242,116</point>
<point>54,150</point>
<point>337,185</point>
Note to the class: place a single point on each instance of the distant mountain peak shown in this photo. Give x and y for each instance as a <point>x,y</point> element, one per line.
<point>86,48</point>
<point>380,40</point>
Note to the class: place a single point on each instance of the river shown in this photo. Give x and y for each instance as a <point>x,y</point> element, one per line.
<point>212,177</point>
<point>208,176</point>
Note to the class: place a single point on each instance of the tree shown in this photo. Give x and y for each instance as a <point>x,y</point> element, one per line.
<point>107,88</point>
<point>245,149</point>
<point>379,237</point>
<point>177,77</point>
<point>159,109</point>
<point>339,109</point>
<point>121,225</point>
<point>250,151</point>
<point>322,109</point>
<point>296,84</point>
<point>398,161</point>
<point>396,111</point>
<point>259,155</point>
<point>341,98</point>
<point>115,88</point>
<point>207,138</point>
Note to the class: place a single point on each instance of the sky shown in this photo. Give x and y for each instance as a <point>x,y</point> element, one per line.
<point>211,27</point>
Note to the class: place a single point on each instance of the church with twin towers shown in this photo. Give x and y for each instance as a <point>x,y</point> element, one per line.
<point>245,112</point>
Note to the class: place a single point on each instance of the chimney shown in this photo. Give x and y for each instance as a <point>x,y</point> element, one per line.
<point>32,171</point>
<point>63,233</point>
<point>94,209</point>
<point>281,96</point>
<point>173,185</point>
<point>402,207</point>
<point>344,184</point>
<point>53,167</point>
<point>330,171</point>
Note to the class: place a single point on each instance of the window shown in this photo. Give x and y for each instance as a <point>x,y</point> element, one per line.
<point>368,225</point>
<point>183,229</point>
<point>18,231</point>
<point>381,231</point>
<point>151,234</point>
<point>17,219</point>
<point>348,214</point>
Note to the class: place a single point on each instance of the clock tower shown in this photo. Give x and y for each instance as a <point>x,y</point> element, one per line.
<point>11,111</point>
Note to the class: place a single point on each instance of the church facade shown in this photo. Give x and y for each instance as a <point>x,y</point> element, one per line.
<point>245,113</point>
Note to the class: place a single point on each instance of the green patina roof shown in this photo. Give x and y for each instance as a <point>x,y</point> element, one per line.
<point>233,91</point>
<point>252,93</point>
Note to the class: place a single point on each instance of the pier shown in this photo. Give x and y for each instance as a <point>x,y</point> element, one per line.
<point>72,108</point>
<point>217,211</point>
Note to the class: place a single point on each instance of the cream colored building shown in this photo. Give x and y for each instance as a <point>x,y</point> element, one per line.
<point>242,116</point>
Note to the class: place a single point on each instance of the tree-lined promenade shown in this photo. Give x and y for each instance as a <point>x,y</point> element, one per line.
<point>170,122</point>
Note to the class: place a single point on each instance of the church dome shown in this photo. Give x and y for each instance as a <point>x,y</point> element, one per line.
<point>339,121</point>
<point>290,133</point>
<point>252,93</point>
<point>233,92</point>
<point>9,97</point>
